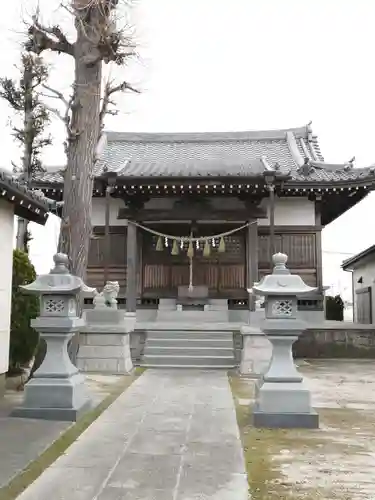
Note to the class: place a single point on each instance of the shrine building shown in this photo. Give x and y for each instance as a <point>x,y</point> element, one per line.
<point>195,217</point>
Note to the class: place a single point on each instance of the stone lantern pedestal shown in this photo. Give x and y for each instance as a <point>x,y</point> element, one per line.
<point>57,390</point>
<point>282,399</point>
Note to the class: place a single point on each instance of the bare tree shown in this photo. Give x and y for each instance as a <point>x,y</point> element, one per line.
<point>24,97</point>
<point>97,40</point>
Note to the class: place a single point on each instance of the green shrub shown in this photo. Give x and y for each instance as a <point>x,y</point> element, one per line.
<point>334,308</point>
<point>23,338</point>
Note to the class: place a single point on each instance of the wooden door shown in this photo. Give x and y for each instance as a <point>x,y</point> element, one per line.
<point>364,305</point>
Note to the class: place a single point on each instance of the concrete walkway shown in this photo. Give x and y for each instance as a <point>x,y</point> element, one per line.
<point>23,440</point>
<point>171,436</point>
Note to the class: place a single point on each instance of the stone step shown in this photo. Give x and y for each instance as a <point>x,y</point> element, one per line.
<point>218,305</point>
<point>189,334</point>
<point>196,326</point>
<point>183,360</point>
<point>192,367</point>
<point>187,351</point>
<point>203,316</point>
<point>189,342</point>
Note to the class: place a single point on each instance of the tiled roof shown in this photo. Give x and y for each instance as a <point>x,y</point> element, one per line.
<point>31,205</point>
<point>352,262</point>
<point>218,154</point>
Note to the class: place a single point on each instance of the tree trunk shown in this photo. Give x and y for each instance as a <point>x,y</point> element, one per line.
<point>21,238</point>
<point>82,142</point>
<point>27,160</point>
<point>84,131</point>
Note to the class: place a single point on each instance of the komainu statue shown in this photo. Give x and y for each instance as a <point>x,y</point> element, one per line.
<point>108,296</point>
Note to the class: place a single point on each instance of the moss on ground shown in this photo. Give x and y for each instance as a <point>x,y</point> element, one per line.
<point>267,452</point>
<point>20,482</point>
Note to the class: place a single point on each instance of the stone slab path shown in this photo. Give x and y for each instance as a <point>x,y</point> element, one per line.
<point>15,432</point>
<point>38,435</point>
<point>172,435</point>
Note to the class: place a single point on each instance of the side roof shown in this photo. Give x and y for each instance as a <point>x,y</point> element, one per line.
<point>295,152</point>
<point>28,204</point>
<point>352,262</point>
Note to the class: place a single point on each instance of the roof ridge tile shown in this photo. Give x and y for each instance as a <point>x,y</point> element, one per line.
<point>249,135</point>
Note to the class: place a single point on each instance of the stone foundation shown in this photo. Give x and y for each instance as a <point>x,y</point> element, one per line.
<point>104,353</point>
<point>351,341</point>
<point>105,342</point>
<point>137,345</point>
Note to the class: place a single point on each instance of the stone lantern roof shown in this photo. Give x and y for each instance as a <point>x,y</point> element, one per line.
<point>59,280</point>
<point>281,281</point>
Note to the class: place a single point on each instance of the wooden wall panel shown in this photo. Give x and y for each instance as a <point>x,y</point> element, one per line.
<point>97,247</point>
<point>177,275</point>
<point>232,277</point>
<point>219,271</point>
<point>94,277</point>
<point>117,265</point>
<point>300,248</point>
<point>223,273</point>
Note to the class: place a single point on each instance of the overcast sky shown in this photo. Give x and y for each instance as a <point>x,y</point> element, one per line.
<point>219,65</point>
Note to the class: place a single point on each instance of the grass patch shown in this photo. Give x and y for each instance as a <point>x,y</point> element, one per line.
<point>20,482</point>
<point>268,451</point>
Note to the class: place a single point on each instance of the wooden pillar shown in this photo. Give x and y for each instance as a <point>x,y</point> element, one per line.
<point>252,259</point>
<point>111,181</point>
<point>131,269</point>
<point>272,222</point>
<point>318,245</point>
<point>107,236</point>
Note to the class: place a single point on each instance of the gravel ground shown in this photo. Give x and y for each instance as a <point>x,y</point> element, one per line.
<point>335,462</point>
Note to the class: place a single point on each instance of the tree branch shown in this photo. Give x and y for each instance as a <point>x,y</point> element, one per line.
<point>56,94</point>
<point>42,38</point>
<point>64,117</point>
<point>122,87</point>
<point>109,90</point>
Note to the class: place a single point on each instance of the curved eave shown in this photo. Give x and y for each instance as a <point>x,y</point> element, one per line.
<point>242,182</point>
<point>334,205</point>
<point>25,204</point>
<point>366,183</point>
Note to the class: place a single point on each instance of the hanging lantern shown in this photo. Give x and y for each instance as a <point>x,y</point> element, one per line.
<point>207,249</point>
<point>175,249</point>
<point>221,248</point>
<point>190,250</point>
<point>159,244</point>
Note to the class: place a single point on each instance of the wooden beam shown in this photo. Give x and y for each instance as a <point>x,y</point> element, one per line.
<point>290,229</point>
<point>318,246</point>
<point>148,215</point>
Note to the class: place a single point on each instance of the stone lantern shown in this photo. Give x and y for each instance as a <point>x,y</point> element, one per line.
<point>282,400</point>
<point>57,390</point>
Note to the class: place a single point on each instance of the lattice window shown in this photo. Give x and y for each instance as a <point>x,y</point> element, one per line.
<point>282,308</point>
<point>54,306</point>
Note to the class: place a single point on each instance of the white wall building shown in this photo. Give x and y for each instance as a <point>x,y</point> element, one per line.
<point>362,267</point>
<point>14,200</point>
